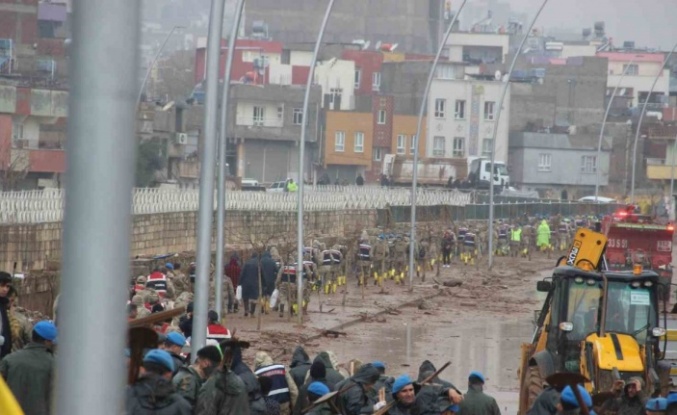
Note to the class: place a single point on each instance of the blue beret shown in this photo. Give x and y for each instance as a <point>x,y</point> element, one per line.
<point>672,398</point>
<point>401,382</point>
<point>318,388</point>
<point>478,375</point>
<point>176,338</point>
<point>46,330</point>
<point>569,397</point>
<point>169,265</point>
<point>378,364</point>
<point>161,358</point>
<point>454,408</point>
<point>657,405</point>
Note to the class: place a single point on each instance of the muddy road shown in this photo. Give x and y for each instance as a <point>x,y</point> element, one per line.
<point>478,325</point>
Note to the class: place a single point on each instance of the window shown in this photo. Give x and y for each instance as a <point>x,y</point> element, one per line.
<point>280,112</point>
<point>377,154</point>
<point>339,141</point>
<point>358,78</point>
<point>459,112</point>
<point>459,147</point>
<point>489,110</point>
<point>544,162</point>
<point>359,142</point>
<point>381,117</point>
<point>445,72</point>
<point>486,147</point>
<point>258,115</point>
<point>413,146</point>
<point>17,131</point>
<point>440,105</point>
<point>438,146</point>
<point>298,116</point>
<point>335,98</point>
<point>588,164</point>
<point>376,81</point>
<point>631,69</point>
<point>401,140</point>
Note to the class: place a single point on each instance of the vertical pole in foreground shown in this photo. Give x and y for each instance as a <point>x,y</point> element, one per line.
<point>100,177</point>
<point>506,84</point>
<point>672,182</point>
<point>207,167</point>
<point>601,133</point>
<point>221,186</point>
<point>302,144</point>
<point>421,112</point>
<point>641,119</point>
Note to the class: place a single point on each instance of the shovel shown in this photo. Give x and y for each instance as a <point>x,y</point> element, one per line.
<point>561,380</point>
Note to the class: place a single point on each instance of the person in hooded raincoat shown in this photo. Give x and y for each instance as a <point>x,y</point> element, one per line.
<point>360,398</point>
<point>629,400</point>
<point>257,405</point>
<point>333,376</point>
<point>284,389</point>
<point>300,365</point>
<point>543,235</point>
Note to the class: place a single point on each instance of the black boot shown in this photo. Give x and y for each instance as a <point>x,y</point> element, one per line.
<point>281,308</point>
<point>245,305</point>
<point>252,308</point>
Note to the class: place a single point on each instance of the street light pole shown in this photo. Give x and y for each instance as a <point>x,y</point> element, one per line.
<point>641,119</point>
<point>207,167</point>
<point>221,181</point>
<point>493,137</point>
<point>601,133</point>
<point>152,64</point>
<point>100,175</point>
<point>421,112</point>
<point>302,144</point>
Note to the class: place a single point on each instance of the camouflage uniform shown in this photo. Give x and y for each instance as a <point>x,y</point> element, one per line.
<point>381,256</point>
<point>141,310</point>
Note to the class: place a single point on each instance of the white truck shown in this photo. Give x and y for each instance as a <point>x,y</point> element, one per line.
<point>479,173</point>
<point>431,171</point>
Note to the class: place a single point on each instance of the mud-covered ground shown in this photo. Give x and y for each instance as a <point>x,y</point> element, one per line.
<point>478,325</point>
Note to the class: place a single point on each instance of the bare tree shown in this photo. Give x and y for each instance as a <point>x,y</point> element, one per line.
<point>14,165</point>
<point>175,75</point>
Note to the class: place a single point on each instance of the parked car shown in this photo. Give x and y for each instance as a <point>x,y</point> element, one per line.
<point>278,186</point>
<point>252,185</point>
<point>598,199</point>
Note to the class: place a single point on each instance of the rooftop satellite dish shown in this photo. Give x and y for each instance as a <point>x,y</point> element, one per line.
<point>394,46</point>
<point>497,75</point>
<point>366,45</point>
<point>378,45</point>
<point>169,105</point>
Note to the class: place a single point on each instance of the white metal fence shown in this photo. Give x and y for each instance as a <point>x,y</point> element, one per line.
<point>42,206</point>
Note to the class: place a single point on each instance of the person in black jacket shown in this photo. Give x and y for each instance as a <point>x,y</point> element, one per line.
<point>5,329</point>
<point>268,277</point>
<point>300,365</point>
<point>249,280</point>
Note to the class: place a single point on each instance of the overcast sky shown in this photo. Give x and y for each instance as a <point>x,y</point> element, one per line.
<point>651,23</point>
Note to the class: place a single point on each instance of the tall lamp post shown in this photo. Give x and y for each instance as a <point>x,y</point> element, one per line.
<point>601,133</point>
<point>493,137</point>
<point>302,144</point>
<point>672,181</point>
<point>154,61</point>
<point>98,203</point>
<point>221,181</point>
<point>421,112</point>
<point>641,119</point>
<point>207,167</point>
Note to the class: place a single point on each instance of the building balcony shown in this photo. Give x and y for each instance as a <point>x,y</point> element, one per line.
<point>660,169</point>
<point>266,122</point>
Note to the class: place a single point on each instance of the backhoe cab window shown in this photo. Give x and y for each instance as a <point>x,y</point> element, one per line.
<point>629,309</point>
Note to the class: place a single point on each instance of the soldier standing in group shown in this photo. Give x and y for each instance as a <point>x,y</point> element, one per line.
<point>401,257</point>
<point>421,251</point>
<point>365,255</point>
<point>381,254</point>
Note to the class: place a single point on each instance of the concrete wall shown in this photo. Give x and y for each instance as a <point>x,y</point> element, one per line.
<point>33,246</point>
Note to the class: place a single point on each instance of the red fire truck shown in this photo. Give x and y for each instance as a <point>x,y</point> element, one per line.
<point>638,239</point>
